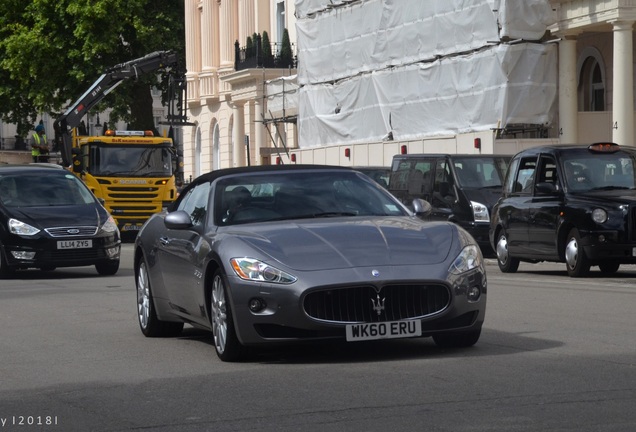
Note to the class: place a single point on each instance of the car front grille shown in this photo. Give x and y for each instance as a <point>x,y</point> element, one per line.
<point>365,304</point>
<point>77,255</point>
<point>75,231</point>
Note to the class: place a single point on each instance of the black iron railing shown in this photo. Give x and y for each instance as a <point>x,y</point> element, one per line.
<point>255,57</point>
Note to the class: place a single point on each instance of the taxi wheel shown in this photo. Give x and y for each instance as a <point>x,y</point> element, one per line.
<point>507,264</point>
<point>577,263</point>
<point>609,267</point>
<point>149,324</point>
<point>228,348</point>
<point>457,340</point>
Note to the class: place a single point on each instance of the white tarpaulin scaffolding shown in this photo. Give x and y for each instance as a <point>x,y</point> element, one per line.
<point>497,86</point>
<point>368,35</point>
<point>409,69</point>
<point>282,97</point>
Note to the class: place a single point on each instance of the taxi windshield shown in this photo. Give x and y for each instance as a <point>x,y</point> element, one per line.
<point>585,171</point>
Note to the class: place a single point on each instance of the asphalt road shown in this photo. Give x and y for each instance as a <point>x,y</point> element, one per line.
<point>556,354</point>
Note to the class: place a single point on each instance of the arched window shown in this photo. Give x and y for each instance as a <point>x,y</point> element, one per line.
<point>591,88</point>
<point>216,147</point>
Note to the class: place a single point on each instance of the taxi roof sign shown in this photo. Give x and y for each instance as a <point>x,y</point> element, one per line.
<point>604,147</point>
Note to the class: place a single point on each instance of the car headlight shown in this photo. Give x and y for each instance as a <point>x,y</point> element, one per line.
<point>468,259</point>
<point>255,270</point>
<point>480,212</point>
<point>110,225</point>
<point>599,215</point>
<point>21,228</point>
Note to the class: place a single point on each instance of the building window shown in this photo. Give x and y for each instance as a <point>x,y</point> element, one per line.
<point>591,86</point>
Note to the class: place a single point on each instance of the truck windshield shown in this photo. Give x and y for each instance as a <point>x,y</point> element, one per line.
<point>131,161</point>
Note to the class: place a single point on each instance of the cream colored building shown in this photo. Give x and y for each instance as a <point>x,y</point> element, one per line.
<point>227,105</point>
<point>591,72</point>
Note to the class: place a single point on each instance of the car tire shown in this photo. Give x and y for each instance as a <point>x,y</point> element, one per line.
<point>107,268</point>
<point>228,348</point>
<point>5,270</point>
<point>149,324</point>
<point>507,264</point>
<point>577,263</point>
<point>609,267</point>
<point>457,339</point>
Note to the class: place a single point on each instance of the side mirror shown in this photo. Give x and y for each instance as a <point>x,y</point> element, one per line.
<point>546,188</point>
<point>421,207</point>
<point>177,220</point>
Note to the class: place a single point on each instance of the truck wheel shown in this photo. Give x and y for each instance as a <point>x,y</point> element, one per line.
<point>507,264</point>
<point>577,263</point>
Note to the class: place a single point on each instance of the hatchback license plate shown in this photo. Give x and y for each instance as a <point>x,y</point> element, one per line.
<point>384,330</point>
<point>74,244</point>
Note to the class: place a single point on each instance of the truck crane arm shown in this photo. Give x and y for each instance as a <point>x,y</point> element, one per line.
<point>106,83</point>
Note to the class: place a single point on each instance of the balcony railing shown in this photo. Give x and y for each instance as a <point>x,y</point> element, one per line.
<point>253,57</point>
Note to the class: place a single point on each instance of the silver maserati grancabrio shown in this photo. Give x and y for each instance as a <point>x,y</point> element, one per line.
<point>279,254</point>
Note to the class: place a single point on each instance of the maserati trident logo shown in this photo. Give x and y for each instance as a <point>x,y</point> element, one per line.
<point>378,304</point>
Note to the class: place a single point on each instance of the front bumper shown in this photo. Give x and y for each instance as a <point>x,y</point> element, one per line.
<point>22,253</point>
<point>286,316</point>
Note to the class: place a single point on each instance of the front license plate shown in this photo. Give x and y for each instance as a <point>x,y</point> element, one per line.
<point>131,228</point>
<point>384,330</point>
<point>74,244</point>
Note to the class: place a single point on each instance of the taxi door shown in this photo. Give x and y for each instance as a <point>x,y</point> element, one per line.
<point>544,209</point>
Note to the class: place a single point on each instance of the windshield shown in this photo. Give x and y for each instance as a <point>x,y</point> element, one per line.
<point>130,161</point>
<point>482,172</point>
<point>292,195</point>
<point>31,190</point>
<point>585,171</point>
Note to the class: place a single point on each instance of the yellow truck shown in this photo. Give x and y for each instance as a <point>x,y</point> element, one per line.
<point>134,173</point>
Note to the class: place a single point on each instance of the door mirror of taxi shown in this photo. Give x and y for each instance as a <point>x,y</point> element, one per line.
<point>421,207</point>
<point>546,188</point>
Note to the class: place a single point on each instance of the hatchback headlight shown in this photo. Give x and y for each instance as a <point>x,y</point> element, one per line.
<point>110,225</point>
<point>468,259</point>
<point>255,270</point>
<point>599,215</point>
<point>480,212</point>
<point>21,228</point>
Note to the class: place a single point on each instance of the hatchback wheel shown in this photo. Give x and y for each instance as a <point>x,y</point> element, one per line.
<point>227,345</point>
<point>5,270</point>
<point>577,263</point>
<point>150,325</point>
<point>107,268</point>
<point>507,264</point>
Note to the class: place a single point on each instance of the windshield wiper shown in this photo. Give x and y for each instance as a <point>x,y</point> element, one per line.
<point>609,188</point>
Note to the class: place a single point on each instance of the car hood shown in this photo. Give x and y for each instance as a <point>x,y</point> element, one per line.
<point>59,216</point>
<point>486,196</point>
<point>618,196</point>
<point>347,243</point>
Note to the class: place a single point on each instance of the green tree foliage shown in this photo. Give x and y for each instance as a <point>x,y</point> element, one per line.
<point>286,56</point>
<point>51,51</point>
<point>266,49</point>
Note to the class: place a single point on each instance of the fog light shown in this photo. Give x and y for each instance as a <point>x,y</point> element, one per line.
<point>22,255</point>
<point>112,252</point>
<point>257,304</point>
<point>601,238</point>
<point>473,294</point>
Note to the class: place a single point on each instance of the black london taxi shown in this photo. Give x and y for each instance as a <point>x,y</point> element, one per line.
<point>461,188</point>
<point>569,203</point>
